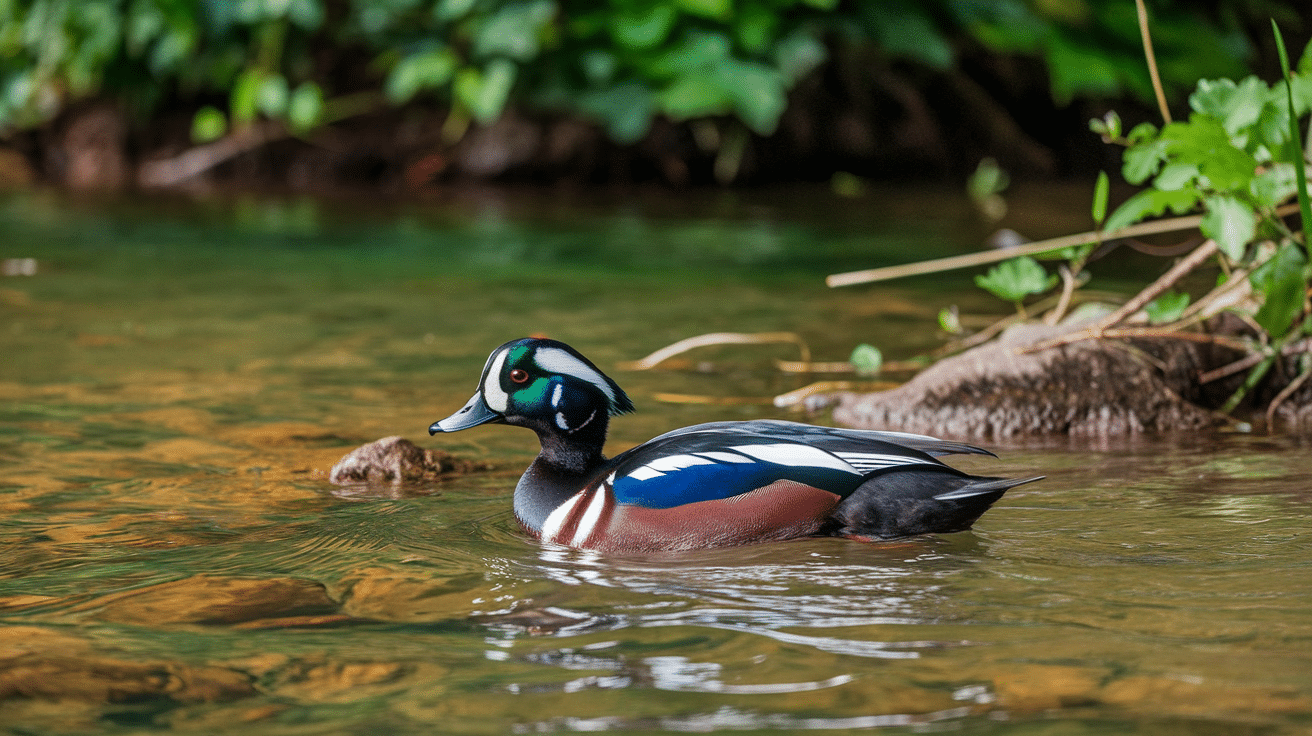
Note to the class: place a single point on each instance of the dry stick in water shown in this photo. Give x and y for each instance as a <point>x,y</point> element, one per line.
<point>1001,254</point>
<point>1171,224</point>
<point>716,338</point>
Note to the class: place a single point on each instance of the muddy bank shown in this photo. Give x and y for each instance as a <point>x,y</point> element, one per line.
<point>1093,388</point>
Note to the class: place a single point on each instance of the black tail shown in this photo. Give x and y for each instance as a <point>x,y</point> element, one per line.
<point>901,503</point>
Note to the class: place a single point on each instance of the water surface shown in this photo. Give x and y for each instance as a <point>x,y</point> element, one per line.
<point>178,377</point>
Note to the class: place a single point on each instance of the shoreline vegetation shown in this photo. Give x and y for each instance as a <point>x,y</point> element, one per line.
<point>1164,360</point>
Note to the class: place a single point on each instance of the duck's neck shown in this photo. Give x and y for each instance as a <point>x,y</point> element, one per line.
<point>563,467</point>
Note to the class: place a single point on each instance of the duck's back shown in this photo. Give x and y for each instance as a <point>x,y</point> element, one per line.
<point>727,483</point>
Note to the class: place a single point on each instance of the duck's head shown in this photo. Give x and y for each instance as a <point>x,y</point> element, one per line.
<point>544,385</point>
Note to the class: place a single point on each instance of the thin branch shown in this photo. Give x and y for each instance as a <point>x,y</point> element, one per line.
<point>1285,393</point>
<point>1152,60</point>
<point>1068,284</point>
<point>968,260</point>
<point>195,161</point>
<point>1168,279</point>
<point>1251,360</point>
<point>716,338</point>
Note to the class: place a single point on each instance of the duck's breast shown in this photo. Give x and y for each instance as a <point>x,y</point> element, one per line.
<point>783,509</point>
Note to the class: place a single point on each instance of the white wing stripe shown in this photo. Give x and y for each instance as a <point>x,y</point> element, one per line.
<point>873,461</point>
<point>785,453</point>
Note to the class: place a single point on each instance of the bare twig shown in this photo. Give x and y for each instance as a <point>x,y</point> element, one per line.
<point>1152,61</point>
<point>194,161</point>
<point>716,338</point>
<point>797,396</point>
<point>1286,392</point>
<point>1100,328</point>
<point>968,260</point>
<point>1251,360</point>
<point>1068,284</point>
<point>843,366</point>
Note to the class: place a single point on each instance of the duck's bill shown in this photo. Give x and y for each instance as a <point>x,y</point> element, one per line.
<point>475,412</point>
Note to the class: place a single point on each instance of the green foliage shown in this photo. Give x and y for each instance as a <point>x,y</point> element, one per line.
<point>1238,157</point>
<point>1167,308</point>
<point>866,360</point>
<point>1015,279</point>
<point>619,62</point>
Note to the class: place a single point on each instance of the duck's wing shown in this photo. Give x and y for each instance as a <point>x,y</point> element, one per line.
<point>825,436</point>
<point>722,460</point>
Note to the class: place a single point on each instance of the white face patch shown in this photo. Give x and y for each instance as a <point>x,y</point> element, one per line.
<point>496,397</point>
<point>555,360</point>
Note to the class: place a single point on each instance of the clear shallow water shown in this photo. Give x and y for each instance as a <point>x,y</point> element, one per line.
<point>178,378</point>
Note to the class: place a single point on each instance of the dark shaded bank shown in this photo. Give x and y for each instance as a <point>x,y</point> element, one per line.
<point>1092,388</point>
<point>880,121</point>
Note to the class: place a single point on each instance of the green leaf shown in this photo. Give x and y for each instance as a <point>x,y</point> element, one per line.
<point>305,109</point>
<point>208,125</point>
<point>243,102</point>
<point>949,320</point>
<point>1141,133</point>
<point>1140,161</point>
<point>714,9</point>
<point>1176,175</point>
<point>273,96</point>
<point>988,179</point>
<point>758,93</point>
<point>1100,194</point>
<point>514,30</point>
<point>625,109</point>
<point>642,29</point>
<point>798,54</point>
<point>695,95</point>
<point>1230,222</point>
<point>484,93</point>
<point>1236,105</point>
<point>1274,185</point>
<point>1151,203</point>
<point>1167,308</point>
<point>1282,282</point>
<point>1300,166</point>
<point>754,27</point>
<point>428,70</point>
<point>449,10</point>
<point>1015,279</point>
<point>903,29</point>
<point>866,359</point>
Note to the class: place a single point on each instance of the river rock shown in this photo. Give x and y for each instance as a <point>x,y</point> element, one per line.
<point>397,460</point>
<point>1089,388</point>
<point>208,600</point>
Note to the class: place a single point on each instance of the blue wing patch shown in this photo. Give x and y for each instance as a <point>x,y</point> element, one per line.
<point>675,480</point>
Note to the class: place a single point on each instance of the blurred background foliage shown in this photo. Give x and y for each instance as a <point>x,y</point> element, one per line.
<point>730,70</point>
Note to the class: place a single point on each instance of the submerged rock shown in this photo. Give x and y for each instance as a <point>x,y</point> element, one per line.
<point>211,600</point>
<point>397,460</point>
<point>1089,388</point>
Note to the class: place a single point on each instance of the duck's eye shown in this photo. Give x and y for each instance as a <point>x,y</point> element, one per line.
<point>519,375</point>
